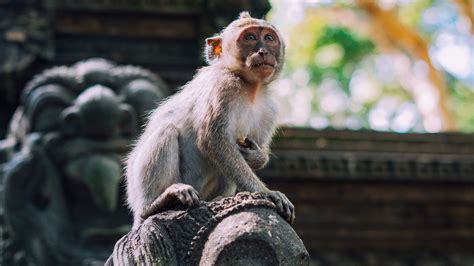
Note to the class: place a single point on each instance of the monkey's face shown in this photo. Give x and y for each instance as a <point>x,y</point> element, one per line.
<point>249,47</point>
<point>258,48</point>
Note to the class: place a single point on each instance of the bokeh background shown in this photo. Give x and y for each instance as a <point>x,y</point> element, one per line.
<point>388,65</point>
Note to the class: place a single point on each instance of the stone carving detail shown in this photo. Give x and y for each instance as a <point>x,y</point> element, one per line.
<point>306,153</point>
<point>61,170</point>
<point>240,230</point>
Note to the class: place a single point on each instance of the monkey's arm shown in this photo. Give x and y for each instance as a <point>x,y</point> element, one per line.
<point>221,149</point>
<point>218,143</point>
<point>228,159</point>
<point>258,143</point>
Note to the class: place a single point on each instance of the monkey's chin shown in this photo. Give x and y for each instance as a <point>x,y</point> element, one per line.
<point>263,72</point>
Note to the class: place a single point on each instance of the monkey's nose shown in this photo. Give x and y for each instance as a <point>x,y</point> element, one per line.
<point>262,51</point>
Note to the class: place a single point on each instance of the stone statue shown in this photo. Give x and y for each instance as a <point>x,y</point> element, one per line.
<point>240,230</point>
<point>61,168</point>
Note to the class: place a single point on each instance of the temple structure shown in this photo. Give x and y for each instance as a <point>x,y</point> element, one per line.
<point>361,197</point>
<point>372,198</point>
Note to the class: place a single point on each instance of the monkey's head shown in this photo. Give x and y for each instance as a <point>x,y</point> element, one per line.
<point>252,48</point>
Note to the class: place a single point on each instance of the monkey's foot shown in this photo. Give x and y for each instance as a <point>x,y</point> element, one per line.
<point>176,194</point>
<point>283,205</point>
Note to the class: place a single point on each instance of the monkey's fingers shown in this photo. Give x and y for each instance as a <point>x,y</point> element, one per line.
<point>290,208</point>
<point>190,202</point>
<point>292,211</point>
<point>195,197</point>
<point>284,206</point>
<point>244,150</point>
<point>278,203</point>
<point>289,212</point>
<point>184,194</point>
<point>251,144</point>
<point>182,198</point>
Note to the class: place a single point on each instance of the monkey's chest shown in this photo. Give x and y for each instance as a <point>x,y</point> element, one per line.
<point>245,121</point>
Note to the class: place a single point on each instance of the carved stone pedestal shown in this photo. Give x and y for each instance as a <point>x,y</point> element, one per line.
<point>240,230</point>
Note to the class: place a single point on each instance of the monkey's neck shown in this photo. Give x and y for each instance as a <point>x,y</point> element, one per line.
<point>253,90</point>
<point>252,87</point>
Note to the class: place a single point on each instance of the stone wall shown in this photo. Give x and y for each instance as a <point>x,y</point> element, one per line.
<point>368,198</point>
<point>164,36</point>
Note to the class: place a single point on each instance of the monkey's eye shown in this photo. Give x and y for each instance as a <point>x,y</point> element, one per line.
<point>269,37</point>
<point>250,37</point>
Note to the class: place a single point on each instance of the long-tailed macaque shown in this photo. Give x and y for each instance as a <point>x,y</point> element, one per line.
<point>209,138</point>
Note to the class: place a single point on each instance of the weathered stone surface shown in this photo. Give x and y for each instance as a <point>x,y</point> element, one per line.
<point>240,230</point>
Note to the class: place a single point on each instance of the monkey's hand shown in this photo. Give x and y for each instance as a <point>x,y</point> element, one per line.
<point>176,194</point>
<point>255,157</point>
<point>284,206</point>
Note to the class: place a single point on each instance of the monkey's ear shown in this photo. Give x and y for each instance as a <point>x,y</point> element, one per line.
<point>213,49</point>
<point>244,14</point>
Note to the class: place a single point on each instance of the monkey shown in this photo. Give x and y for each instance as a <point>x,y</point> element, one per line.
<point>209,138</point>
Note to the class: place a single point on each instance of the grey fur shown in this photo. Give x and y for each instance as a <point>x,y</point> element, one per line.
<point>191,139</point>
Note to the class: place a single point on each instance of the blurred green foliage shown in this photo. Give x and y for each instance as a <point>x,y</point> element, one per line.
<point>462,103</point>
<point>331,53</point>
<point>347,50</point>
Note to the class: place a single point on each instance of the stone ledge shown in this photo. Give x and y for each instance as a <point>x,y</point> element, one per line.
<point>366,155</point>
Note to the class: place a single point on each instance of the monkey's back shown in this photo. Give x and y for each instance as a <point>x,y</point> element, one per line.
<point>167,151</point>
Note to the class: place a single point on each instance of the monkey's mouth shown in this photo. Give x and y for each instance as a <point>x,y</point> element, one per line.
<point>263,64</point>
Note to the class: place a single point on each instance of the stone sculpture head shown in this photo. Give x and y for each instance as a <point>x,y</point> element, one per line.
<point>71,131</point>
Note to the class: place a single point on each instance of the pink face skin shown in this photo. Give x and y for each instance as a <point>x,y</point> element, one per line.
<point>259,51</point>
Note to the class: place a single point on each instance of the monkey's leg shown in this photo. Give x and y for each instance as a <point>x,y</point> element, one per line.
<point>175,194</point>
<point>154,178</point>
<point>255,157</point>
